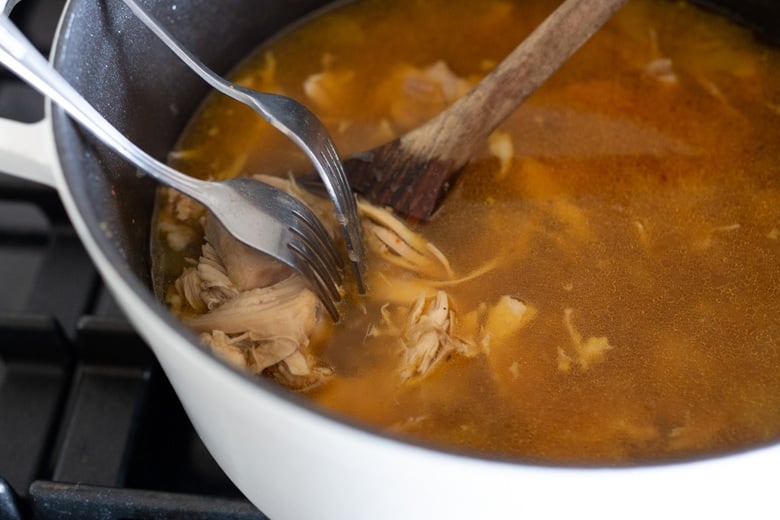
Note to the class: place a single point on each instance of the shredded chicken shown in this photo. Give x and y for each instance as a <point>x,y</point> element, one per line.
<point>269,326</point>
<point>287,309</point>
<point>207,285</point>
<point>496,328</point>
<point>426,328</point>
<point>505,318</point>
<point>324,87</point>
<point>252,310</point>
<point>426,333</point>
<point>247,268</point>
<point>410,95</point>
<point>586,353</point>
<point>397,244</point>
<point>180,219</point>
<point>429,330</point>
<point>178,235</point>
<point>423,92</point>
<point>660,67</point>
<point>182,206</point>
<point>281,357</point>
<point>259,315</point>
<point>662,70</point>
<point>501,147</point>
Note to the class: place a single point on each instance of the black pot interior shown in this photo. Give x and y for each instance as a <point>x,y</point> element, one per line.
<point>761,16</point>
<point>142,88</point>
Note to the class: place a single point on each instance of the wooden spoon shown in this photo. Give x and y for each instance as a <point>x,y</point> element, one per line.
<point>412,173</point>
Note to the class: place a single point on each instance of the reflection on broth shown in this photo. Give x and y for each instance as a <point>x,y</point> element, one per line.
<point>602,286</point>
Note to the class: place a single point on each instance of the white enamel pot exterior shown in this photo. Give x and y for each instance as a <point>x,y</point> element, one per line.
<point>291,461</point>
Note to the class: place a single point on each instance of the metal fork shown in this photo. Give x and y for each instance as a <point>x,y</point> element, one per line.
<point>296,122</point>
<point>261,216</point>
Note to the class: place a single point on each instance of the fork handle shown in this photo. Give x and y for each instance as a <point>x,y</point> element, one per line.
<point>19,55</point>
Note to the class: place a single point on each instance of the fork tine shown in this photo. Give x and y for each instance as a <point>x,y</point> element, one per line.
<point>291,232</point>
<point>346,200</point>
<point>307,225</point>
<point>334,162</point>
<point>322,250</point>
<point>320,236</point>
<point>315,253</point>
<point>310,265</point>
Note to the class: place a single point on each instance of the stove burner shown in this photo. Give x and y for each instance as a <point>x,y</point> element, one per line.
<point>89,426</point>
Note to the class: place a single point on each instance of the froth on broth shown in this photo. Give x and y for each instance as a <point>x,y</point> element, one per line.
<point>614,250</point>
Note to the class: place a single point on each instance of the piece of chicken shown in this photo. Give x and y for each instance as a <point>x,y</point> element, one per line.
<point>428,336</point>
<point>247,268</point>
<point>587,353</point>
<point>426,333</point>
<point>253,311</point>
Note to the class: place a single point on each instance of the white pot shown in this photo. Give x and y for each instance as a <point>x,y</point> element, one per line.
<point>295,463</point>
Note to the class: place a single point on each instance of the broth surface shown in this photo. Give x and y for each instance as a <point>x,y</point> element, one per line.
<point>637,213</point>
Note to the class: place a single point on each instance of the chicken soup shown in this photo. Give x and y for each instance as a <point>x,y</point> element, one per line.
<point>602,284</point>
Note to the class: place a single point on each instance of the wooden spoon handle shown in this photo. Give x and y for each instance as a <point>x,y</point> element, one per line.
<point>411,174</point>
<point>456,133</point>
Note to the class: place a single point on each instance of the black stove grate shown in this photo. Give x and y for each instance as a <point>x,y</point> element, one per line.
<point>89,426</point>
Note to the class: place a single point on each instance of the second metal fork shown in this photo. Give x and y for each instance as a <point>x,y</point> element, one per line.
<point>296,122</point>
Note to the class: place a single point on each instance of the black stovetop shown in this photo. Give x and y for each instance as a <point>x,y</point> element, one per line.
<point>89,426</point>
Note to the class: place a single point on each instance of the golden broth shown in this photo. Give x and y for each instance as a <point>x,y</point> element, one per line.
<point>640,209</point>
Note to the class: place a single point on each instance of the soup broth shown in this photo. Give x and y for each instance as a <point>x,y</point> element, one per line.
<point>615,246</point>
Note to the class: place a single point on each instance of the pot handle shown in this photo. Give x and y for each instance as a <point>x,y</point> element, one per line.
<point>27,150</point>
